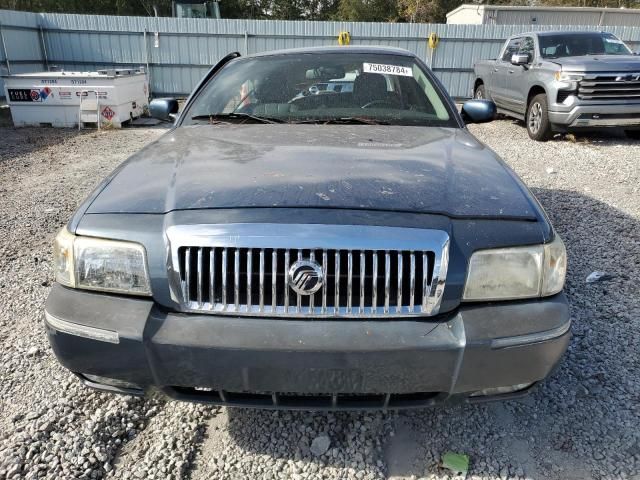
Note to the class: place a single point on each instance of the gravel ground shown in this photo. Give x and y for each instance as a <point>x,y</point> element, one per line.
<point>580,424</point>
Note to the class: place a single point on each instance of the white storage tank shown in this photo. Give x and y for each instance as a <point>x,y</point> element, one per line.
<point>63,99</point>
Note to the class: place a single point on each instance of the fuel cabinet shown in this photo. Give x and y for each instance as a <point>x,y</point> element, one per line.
<point>70,99</point>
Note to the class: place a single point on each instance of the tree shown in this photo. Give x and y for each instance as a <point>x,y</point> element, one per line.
<point>321,9</point>
<point>367,10</point>
<point>430,11</point>
<point>426,11</point>
<point>99,7</point>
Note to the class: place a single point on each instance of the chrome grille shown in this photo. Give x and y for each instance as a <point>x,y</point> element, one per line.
<point>610,86</point>
<point>247,273</point>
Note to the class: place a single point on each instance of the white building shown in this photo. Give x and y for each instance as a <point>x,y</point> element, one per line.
<point>507,15</point>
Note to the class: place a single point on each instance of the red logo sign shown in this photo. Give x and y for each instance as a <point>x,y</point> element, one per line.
<point>108,113</point>
<point>35,95</point>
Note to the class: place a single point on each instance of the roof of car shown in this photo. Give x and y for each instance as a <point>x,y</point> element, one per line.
<point>556,32</point>
<point>338,49</point>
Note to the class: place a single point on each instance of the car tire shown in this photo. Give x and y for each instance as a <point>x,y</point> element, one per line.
<point>537,119</point>
<point>632,134</point>
<point>480,93</point>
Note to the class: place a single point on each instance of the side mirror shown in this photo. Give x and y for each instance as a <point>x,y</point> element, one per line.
<point>164,109</point>
<point>520,59</point>
<point>479,111</point>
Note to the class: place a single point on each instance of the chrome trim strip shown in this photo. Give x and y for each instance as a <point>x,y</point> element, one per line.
<point>286,280</point>
<point>336,303</point>
<point>605,122</point>
<point>212,277</point>
<point>506,342</point>
<point>595,75</point>
<point>236,280</point>
<point>440,268</point>
<point>374,287</point>
<point>306,236</point>
<point>349,280</point>
<point>261,279</point>
<point>274,279</point>
<point>400,272</point>
<point>83,331</point>
<point>187,275</point>
<point>225,265</point>
<point>299,299</point>
<point>425,281</point>
<point>325,263</point>
<point>249,270</point>
<point>312,297</point>
<point>367,240</point>
<point>200,273</point>
<point>363,275</point>
<point>387,281</point>
<point>412,281</point>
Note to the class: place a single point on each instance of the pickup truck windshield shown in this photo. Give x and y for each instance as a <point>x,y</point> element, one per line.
<point>580,44</point>
<point>321,88</point>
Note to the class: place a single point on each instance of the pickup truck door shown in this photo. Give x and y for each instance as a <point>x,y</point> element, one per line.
<point>516,85</point>
<point>501,72</point>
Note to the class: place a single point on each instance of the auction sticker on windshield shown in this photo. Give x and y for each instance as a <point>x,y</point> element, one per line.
<point>387,69</point>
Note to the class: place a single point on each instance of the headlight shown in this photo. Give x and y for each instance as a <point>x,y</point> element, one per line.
<point>98,264</point>
<point>519,272</point>
<point>568,77</point>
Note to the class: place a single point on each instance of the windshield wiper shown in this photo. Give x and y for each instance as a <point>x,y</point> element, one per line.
<point>236,117</point>
<point>344,121</point>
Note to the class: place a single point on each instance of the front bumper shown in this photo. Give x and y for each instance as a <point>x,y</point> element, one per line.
<point>607,115</point>
<point>319,364</point>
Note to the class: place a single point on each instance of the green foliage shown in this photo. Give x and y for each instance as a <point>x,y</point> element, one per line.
<point>98,7</point>
<point>367,10</point>
<point>430,11</point>
<point>426,11</point>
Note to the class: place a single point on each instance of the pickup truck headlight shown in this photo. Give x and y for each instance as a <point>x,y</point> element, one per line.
<point>99,264</point>
<point>518,272</point>
<point>568,77</point>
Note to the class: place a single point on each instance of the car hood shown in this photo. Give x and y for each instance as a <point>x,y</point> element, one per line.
<point>600,63</point>
<point>391,168</point>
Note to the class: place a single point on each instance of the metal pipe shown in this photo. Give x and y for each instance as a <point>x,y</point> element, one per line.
<point>4,50</point>
<point>146,59</point>
<point>43,46</point>
<point>246,43</point>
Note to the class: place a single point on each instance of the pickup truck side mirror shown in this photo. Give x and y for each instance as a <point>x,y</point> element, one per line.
<point>520,59</point>
<point>164,109</point>
<point>478,111</point>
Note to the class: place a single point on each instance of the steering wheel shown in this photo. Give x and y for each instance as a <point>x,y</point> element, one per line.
<point>379,102</point>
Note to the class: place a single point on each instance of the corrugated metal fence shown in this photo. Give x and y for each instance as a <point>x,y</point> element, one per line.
<point>179,51</point>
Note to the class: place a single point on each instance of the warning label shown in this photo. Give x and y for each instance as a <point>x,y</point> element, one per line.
<point>108,113</point>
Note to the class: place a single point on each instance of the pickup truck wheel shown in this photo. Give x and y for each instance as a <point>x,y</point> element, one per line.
<point>537,120</point>
<point>480,93</point>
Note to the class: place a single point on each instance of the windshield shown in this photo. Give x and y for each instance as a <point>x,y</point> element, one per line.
<point>579,44</point>
<point>322,88</point>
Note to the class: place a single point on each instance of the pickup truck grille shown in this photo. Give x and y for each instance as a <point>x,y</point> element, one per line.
<point>356,282</point>
<point>610,86</point>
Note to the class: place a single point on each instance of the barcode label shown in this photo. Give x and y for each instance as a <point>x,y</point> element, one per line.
<point>387,69</point>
